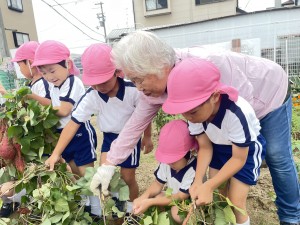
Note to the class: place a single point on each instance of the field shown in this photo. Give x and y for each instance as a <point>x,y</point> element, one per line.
<point>261,205</point>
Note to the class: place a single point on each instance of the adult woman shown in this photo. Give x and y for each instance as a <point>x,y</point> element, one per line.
<point>147,62</point>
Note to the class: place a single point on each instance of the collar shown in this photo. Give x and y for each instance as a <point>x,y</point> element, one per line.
<point>71,75</point>
<point>120,94</point>
<point>225,103</point>
<point>32,83</point>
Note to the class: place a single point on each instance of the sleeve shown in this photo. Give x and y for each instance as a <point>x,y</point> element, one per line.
<point>160,173</point>
<point>124,145</point>
<point>241,131</point>
<point>187,180</point>
<point>72,90</point>
<point>195,128</point>
<point>87,106</point>
<point>41,88</point>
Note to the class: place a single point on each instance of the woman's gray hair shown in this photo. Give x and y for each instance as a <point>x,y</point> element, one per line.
<point>143,53</point>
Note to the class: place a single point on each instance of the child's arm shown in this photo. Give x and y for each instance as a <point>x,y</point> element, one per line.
<point>41,100</point>
<point>203,159</point>
<point>231,167</point>
<point>2,89</point>
<point>154,189</point>
<point>66,136</point>
<point>64,109</point>
<point>147,143</point>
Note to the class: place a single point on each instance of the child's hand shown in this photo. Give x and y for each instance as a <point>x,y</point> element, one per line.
<point>52,160</point>
<point>140,206</point>
<point>201,193</point>
<point>2,90</point>
<point>147,144</point>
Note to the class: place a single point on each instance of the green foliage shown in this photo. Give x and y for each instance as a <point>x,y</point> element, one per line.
<point>31,125</point>
<point>162,118</point>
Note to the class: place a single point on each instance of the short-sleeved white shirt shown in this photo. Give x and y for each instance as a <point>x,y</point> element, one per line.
<point>178,181</point>
<point>70,91</point>
<point>113,112</point>
<point>234,123</point>
<point>41,87</point>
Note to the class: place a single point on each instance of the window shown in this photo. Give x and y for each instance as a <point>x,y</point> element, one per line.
<point>16,5</point>
<point>20,38</point>
<point>156,4</point>
<point>202,2</point>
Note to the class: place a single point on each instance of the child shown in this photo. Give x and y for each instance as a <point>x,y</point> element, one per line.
<point>176,169</point>
<point>39,86</point>
<point>52,59</point>
<point>113,100</point>
<point>41,93</point>
<point>226,129</point>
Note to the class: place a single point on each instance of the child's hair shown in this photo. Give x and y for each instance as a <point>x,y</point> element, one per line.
<point>61,63</point>
<point>175,142</point>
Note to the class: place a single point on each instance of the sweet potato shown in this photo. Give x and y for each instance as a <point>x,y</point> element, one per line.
<point>7,151</point>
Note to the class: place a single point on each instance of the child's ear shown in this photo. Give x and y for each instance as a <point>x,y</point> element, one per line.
<point>215,96</point>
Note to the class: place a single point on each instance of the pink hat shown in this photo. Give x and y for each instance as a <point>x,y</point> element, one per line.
<point>51,52</point>
<point>174,142</point>
<point>191,82</point>
<point>97,65</point>
<point>26,51</point>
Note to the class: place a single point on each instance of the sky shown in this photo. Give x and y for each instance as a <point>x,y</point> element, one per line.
<point>118,14</point>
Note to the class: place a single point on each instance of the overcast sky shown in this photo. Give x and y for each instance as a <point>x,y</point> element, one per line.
<point>118,14</point>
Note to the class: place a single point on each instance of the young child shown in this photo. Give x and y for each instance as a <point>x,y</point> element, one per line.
<point>113,100</point>
<point>52,59</point>
<point>39,86</point>
<point>176,169</point>
<point>226,129</point>
<point>40,92</point>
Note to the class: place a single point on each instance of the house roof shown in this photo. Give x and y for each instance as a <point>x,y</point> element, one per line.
<point>118,33</point>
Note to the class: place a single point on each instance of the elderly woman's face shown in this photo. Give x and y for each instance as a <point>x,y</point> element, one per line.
<point>150,85</point>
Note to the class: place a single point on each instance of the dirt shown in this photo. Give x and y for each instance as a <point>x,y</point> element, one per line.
<point>261,207</point>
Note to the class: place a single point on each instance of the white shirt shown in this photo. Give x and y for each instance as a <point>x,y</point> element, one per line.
<point>178,181</point>
<point>70,91</point>
<point>113,113</point>
<point>41,87</point>
<point>235,122</point>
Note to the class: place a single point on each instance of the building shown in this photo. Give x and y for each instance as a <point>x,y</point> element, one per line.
<point>17,25</point>
<point>153,13</point>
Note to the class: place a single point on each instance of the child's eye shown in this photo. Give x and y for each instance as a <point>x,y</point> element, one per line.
<point>53,71</point>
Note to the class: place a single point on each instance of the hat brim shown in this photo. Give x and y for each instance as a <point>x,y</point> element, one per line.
<point>17,59</point>
<point>88,79</point>
<point>44,62</point>
<point>164,158</point>
<point>182,107</point>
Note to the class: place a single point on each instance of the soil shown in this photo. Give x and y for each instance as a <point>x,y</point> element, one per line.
<point>261,207</point>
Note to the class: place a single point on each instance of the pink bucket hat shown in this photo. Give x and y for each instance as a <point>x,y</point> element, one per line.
<point>51,52</point>
<point>191,82</point>
<point>174,142</point>
<point>26,51</point>
<point>97,65</point>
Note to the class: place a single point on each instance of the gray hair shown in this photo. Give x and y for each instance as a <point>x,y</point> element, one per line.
<point>143,53</point>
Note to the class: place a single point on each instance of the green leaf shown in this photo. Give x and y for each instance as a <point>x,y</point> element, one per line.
<point>14,131</point>
<point>169,192</point>
<point>124,193</point>
<point>220,217</point>
<point>56,218</point>
<point>11,170</point>
<point>148,220</point>
<point>67,214</point>
<point>61,205</point>
<point>46,222</point>
<point>163,219</point>
<point>50,121</point>
<point>229,215</point>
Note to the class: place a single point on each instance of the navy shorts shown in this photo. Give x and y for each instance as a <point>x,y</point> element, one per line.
<point>133,161</point>
<point>250,172</point>
<point>82,148</point>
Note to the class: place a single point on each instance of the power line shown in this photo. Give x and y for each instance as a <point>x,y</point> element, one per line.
<point>69,21</point>
<point>75,17</point>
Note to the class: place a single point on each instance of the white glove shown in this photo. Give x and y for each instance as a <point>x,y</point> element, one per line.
<point>101,179</point>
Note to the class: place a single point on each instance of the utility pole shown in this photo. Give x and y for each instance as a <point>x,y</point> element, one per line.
<point>101,19</point>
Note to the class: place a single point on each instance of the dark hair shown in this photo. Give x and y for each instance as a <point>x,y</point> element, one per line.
<point>61,63</point>
<point>187,155</point>
<point>24,61</point>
